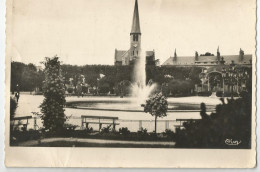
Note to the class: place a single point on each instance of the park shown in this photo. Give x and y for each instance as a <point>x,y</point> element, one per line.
<point>146,115</point>
<point>186,102</point>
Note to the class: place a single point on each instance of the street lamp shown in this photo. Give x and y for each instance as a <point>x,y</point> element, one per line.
<point>244,77</point>
<point>224,76</point>
<point>202,77</point>
<point>231,76</point>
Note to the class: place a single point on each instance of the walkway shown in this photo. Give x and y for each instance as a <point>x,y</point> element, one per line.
<point>82,142</point>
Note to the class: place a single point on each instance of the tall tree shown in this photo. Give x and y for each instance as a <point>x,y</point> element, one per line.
<point>52,107</point>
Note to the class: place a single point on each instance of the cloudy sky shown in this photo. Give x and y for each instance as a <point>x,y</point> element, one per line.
<point>88,31</point>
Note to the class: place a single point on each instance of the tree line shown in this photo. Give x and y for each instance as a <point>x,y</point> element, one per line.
<point>178,79</point>
<point>25,77</point>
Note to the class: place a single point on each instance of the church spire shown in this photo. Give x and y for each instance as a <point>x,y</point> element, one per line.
<point>136,22</point>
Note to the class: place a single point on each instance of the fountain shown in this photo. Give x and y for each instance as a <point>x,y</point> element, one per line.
<point>140,90</point>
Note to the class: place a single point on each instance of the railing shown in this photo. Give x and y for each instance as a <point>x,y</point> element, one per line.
<point>35,123</point>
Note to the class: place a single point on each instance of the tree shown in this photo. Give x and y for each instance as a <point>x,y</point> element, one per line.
<point>183,87</point>
<point>157,106</point>
<point>52,107</point>
<point>26,76</point>
<point>79,89</point>
<point>124,87</point>
<point>13,106</point>
<point>16,75</point>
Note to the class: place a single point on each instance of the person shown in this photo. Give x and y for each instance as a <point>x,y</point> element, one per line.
<point>17,96</point>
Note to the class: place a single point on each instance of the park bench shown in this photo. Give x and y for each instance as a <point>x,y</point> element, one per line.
<point>111,121</point>
<point>19,119</point>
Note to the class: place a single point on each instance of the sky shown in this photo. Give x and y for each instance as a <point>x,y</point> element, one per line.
<point>84,32</point>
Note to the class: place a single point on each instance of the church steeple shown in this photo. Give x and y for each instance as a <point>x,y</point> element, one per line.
<point>136,23</point>
<point>135,36</point>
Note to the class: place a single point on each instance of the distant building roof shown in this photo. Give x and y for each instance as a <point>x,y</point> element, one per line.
<point>207,60</point>
<point>149,53</point>
<point>180,60</point>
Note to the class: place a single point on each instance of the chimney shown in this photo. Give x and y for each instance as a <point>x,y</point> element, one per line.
<point>196,56</point>
<point>241,55</point>
<point>175,55</point>
<point>115,56</point>
<point>222,61</point>
<point>218,54</point>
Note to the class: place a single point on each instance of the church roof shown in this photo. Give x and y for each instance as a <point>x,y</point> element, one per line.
<point>119,54</point>
<point>136,21</point>
<point>207,60</point>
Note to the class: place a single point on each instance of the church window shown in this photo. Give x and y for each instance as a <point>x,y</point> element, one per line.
<point>135,37</point>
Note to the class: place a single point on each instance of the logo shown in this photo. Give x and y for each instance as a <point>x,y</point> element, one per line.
<point>232,142</point>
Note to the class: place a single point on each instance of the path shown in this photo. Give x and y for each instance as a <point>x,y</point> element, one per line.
<point>98,142</point>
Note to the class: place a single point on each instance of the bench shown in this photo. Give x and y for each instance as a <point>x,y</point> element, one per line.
<point>99,122</point>
<point>19,119</point>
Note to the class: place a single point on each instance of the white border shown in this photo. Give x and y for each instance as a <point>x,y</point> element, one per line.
<point>2,19</point>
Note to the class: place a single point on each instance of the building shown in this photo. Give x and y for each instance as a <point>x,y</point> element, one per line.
<point>128,57</point>
<point>214,77</point>
<point>209,60</point>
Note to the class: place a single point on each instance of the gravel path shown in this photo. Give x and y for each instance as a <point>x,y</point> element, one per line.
<point>107,143</point>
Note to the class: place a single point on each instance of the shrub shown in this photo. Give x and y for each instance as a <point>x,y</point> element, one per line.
<point>92,91</point>
<point>106,129</point>
<point>180,87</point>
<point>89,130</point>
<point>153,135</point>
<point>228,94</point>
<point>84,89</point>
<point>205,93</point>
<point>230,121</point>
<point>169,134</point>
<point>219,93</point>
<point>142,132</point>
<point>124,131</point>
<point>70,127</point>
<point>70,90</point>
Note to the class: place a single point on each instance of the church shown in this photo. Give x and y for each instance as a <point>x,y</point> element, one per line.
<point>128,57</point>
